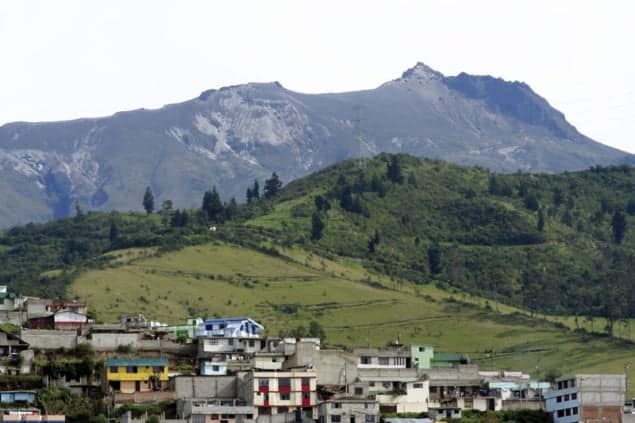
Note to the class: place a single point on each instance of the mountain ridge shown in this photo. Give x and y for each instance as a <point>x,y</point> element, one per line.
<point>232,135</point>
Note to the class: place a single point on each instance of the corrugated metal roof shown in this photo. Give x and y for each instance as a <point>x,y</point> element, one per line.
<point>136,362</point>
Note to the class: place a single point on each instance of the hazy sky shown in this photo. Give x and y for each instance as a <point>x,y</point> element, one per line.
<point>67,59</point>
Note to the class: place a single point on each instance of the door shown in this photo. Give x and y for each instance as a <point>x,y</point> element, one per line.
<point>352,419</point>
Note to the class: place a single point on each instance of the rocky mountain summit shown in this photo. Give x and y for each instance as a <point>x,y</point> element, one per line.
<point>230,136</point>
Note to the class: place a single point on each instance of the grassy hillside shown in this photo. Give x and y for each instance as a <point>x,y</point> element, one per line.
<point>354,307</point>
<point>558,244</point>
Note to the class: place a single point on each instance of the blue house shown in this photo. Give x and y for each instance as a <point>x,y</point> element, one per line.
<point>230,327</point>
<point>26,397</point>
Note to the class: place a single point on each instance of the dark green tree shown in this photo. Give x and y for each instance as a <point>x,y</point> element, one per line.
<point>618,226</point>
<point>166,206</point>
<point>255,191</point>
<point>541,220</point>
<point>317,226</point>
<point>630,207</point>
<point>373,242</point>
<point>394,172</point>
<point>114,232</point>
<point>250,196</point>
<point>316,331</point>
<point>272,186</point>
<point>322,204</point>
<point>148,200</point>
<point>434,259</point>
<point>231,209</point>
<point>531,202</point>
<point>213,206</point>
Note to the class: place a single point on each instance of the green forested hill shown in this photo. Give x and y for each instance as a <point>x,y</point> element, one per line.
<point>549,243</point>
<point>557,244</point>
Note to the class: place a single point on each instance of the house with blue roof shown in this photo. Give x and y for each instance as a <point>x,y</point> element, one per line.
<point>230,327</point>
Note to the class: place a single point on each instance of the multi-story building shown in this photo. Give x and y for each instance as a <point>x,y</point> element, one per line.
<point>587,399</point>
<point>349,410</point>
<point>128,376</point>
<point>274,393</point>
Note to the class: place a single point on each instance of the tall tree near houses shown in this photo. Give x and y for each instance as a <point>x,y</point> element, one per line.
<point>148,200</point>
<point>272,186</point>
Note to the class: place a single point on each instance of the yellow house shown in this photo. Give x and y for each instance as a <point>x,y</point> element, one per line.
<point>136,374</point>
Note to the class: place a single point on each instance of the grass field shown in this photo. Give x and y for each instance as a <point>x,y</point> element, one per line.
<point>355,308</point>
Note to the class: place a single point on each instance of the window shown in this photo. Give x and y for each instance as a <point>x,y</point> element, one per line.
<point>114,369</point>
<point>566,397</point>
<point>417,385</point>
<point>369,419</point>
<point>283,410</point>
<point>572,383</point>
<point>365,359</point>
<point>560,413</point>
<point>264,411</point>
<point>387,385</point>
<point>306,381</point>
<point>157,369</point>
<point>263,382</point>
<point>383,361</point>
<point>230,341</point>
<point>251,343</point>
<point>422,349</point>
<point>214,416</point>
<point>306,395</point>
<point>215,368</point>
<point>574,411</point>
<point>336,405</point>
<point>131,369</point>
<point>559,399</point>
<point>371,384</point>
<point>212,341</point>
<point>284,381</point>
<point>359,391</point>
<point>574,396</point>
<point>285,396</point>
<point>336,418</point>
<point>368,405</point>
<point>567,412</point>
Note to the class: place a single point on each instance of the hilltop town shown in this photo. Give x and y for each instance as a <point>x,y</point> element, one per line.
<point>230,370</point>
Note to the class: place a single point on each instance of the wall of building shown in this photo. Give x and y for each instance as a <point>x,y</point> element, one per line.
<point>421,356</point>
<point>50,339</point>
<point>334,367</point>
<point>206,387</point>
<point>110,341</point>
<point>414,401</point>
<point>361,411</point>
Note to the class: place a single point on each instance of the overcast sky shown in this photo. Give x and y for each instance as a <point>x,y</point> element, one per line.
<point>67,59</point>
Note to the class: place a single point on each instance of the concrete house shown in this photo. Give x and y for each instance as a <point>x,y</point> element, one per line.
<point>135,375</point>
<point>390,358</point>
<point>230,327</point>
<point>348,410</point>
<point>11,345</point>
<point>396,390</point>
<point>587,398</point>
